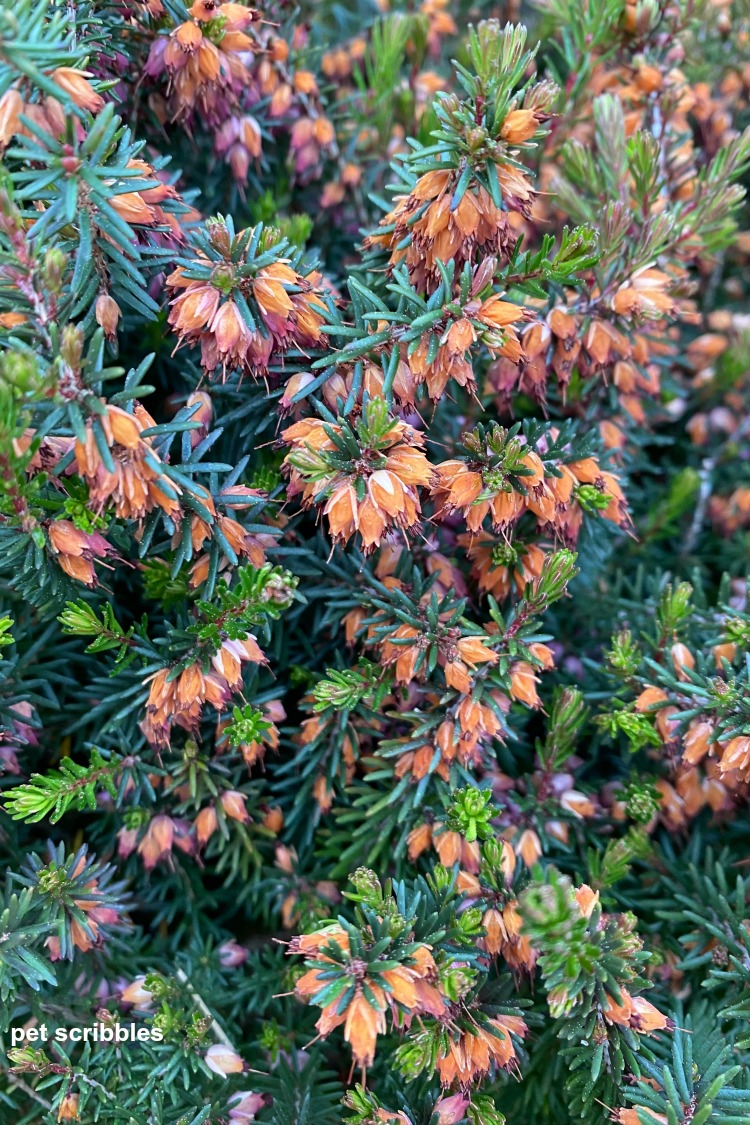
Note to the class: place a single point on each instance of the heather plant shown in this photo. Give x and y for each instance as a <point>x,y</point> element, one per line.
<point>374,522</point>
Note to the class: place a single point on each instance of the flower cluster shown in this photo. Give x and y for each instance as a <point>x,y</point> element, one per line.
<point>369,477</point>
<point>211,294</point>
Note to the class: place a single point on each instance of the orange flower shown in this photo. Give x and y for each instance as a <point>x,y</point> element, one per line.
<point>11,108</point>
<point>233,804</point>
<point>452,848</point>
<point>419,840</point>
<point>206,823</point>
<point>107,315</point>
<point>231,335</point>
<point>12,319</point>
<point>290,306</point>
<point>402,988</point>
<point>391,497</point>
<point>132,207</point>
<point>133,481</point>
<point>471,1055</point>
<point>180,699</point>
<point>498,568</point>
<point>76,86</point>
<point>636,1012</point>
<point>649,698</point>
<point>682,658</point>
<point>68,1108</point>
<point>498,313</point>
<point>696,741</point>
<point>577,803</point>
<point>479,486</point>
<point>157,842</point>
<point>637,1116</point>
<point>645,295</point>
<point>587,899</point>
<point>424,229</point>
<point>735,754</point>
<point>528,846</point>
<point>647,1019</point>
<point>206,73</point>
<point>456,486</point>
<point>523,681</point>
<point>520,125</point>
<point>494,931</point>
<point>362,1025</point>
<point>76,550</point>
<point>222,1060</point>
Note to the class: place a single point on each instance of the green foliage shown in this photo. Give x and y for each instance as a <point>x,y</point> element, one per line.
<point>248,725</point>
<point>344,690</point>
<point>73,786</point>
<point>695,1084</point>
<point>567,718</point>
<point>471,814</point>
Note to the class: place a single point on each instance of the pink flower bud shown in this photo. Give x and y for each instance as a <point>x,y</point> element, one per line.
<point>293,386</point>
<point>183,838</point>
<point>136,994</point>
<point>127,838</point>
<point>107,314</point>
<point>222,1060</point>
<point>74,83</point>
<point>203,410</point>
<point>11,107</point>
<point>451,1110</point>
<point>53,945</point>
<point>205,825</point>
<point>682,658</point>
<point>68,1108</point>
<point>244,1105</point>
<point>231,954</point>
<point>233,804</point>
<point>157,843</point>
